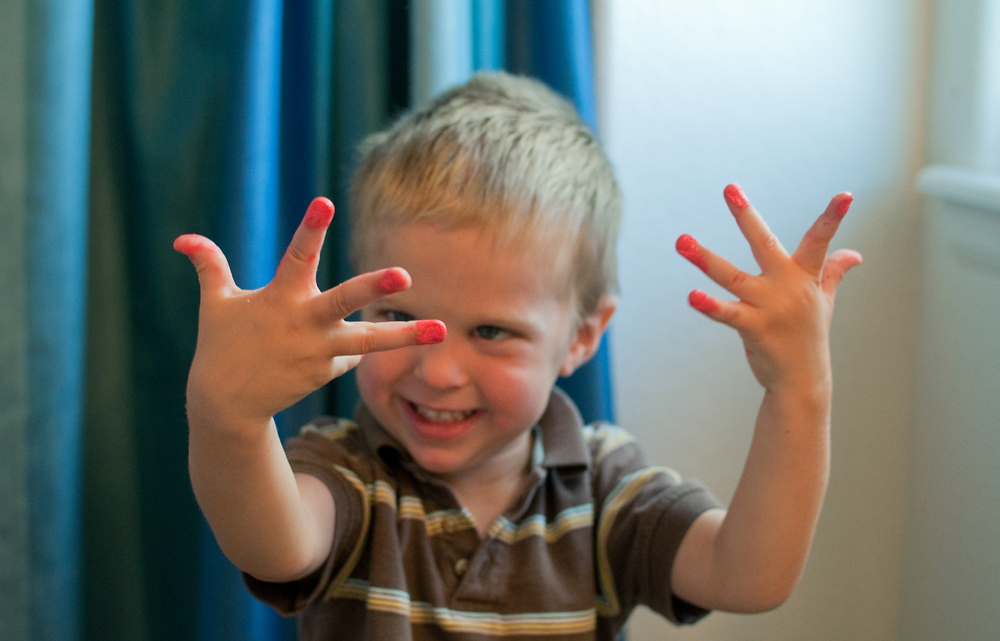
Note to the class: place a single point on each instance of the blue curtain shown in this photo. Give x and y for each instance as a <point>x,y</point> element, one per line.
<point>222,118</point>
<point>551,40</point>
<point>43,240</point>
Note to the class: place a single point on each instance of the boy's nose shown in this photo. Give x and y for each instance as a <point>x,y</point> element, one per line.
<point>442,366</point>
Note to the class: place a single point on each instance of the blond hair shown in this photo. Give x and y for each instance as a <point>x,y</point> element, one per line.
<point>501,153</point>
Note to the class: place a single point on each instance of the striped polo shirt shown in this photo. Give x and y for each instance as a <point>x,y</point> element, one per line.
<point>593,536</point>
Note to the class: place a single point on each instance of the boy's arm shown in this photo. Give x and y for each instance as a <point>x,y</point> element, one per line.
<point>259,352</point>
<point>748,558</point>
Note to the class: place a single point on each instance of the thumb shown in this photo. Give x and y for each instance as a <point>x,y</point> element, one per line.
<point>208,260</point>
<point>837,264</point>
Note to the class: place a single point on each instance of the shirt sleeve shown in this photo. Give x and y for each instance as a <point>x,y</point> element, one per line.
<point>643,513</point>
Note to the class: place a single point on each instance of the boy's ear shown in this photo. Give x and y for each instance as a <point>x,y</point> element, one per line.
<point>588,335</point>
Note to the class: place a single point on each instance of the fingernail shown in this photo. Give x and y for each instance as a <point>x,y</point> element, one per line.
<point>319,214</point>
<point>190,243</point>
<point>184,245</point>
<point>687,247</point>
<point>844,205</point>
<point>702,302</point>
<point>392,280</point>
<point>430,332</point>
<point>734,196</point>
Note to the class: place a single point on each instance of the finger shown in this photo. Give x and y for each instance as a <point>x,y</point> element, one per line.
<point>836,266</point>
<point>362,337</point>
<point>734,280</point>
<point>343,300</point>
<point>723,311</point>
<point>811,251</point>
<point>209,261</point>
<point>767,249</point>
<point>301,259</point>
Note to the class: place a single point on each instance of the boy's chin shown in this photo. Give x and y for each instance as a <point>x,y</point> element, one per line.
<point>442,467</point>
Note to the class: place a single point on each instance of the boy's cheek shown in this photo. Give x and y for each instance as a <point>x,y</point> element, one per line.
<point>523,394</point>
<point>367,376</point>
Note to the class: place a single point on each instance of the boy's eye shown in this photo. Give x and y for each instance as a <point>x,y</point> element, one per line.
<point>401,317</point>
<point>491,332</point>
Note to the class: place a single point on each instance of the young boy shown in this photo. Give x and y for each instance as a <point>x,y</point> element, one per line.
<point>467,500</point>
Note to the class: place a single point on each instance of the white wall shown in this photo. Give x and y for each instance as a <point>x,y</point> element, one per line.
<point>952,542</point>
<point>795,101</point>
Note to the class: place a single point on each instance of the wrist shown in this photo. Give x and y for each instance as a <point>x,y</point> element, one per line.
<point>809,376</point>
<point>802,409</point>
<point>810,388</point>
<point>213,413</point>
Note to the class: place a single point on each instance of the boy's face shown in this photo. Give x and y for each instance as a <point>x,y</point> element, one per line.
<point>463,408</point>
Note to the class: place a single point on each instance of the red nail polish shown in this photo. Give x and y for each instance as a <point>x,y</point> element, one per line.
<point>190,243</point>
<point>430,332</point>
<point>702,302</point>
<point>319,214</point>
<point>393,280</point>
<point>734,196</point>
<point>687,247</point>
<point>844,205</point>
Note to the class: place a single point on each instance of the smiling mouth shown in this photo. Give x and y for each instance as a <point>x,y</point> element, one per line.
<point>442,416</point>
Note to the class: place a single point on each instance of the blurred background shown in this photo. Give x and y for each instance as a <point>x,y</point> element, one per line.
<point>125,125</point>
<point>897,102</point>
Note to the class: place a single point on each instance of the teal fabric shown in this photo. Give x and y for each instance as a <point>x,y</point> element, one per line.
<point>44,243</point>
<point>15,569</point>
<point>488,35</point>
<point>164,75</point>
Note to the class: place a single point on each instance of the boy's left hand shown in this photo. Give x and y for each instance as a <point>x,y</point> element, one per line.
<point>748,558</point>
<point>783,314</point>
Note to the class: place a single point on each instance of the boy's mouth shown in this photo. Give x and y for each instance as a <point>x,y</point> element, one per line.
<point>441,416</point>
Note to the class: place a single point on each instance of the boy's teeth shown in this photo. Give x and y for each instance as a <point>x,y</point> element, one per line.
<point>438,416</point>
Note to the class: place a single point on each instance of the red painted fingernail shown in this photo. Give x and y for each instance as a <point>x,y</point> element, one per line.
<point>392,280</point>
<point>319,214</point>
<point>734,196</point>
<point>844,205</point>
<point>687,247</point>
<point>430,332</point>
<point>190,243</point>
<point>702,302</point>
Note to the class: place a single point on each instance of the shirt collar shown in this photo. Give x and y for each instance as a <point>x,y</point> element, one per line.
<point>562,433</point>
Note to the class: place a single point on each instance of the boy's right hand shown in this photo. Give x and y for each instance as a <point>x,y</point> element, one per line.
<point>260,351</point>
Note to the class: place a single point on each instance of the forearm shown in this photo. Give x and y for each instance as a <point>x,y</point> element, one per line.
<point>251,498</point>
<point>762,543</point>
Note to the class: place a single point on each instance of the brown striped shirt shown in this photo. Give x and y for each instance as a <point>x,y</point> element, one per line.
<point>594,536</point>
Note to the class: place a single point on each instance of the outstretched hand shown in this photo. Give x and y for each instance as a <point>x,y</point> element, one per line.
<point>260,351</point>
<point>783,314</point>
